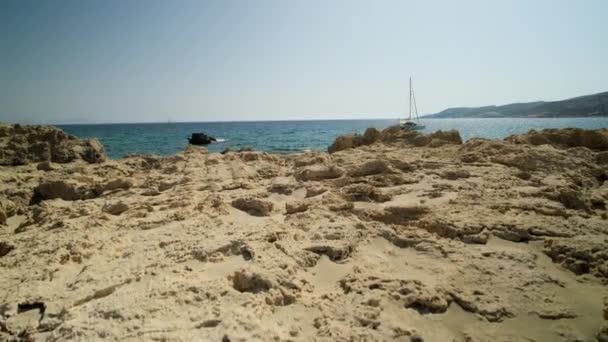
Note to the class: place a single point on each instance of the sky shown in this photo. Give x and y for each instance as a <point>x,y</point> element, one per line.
<point>99,61</point>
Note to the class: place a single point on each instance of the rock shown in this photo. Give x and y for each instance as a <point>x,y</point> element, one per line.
<point>331,246</point>
<point>344,142</point>
<point>396,134</point>
<point>23,323</point>
<point>39,150</point>
<point>453,230</point>
<point>576,266</point>
<point>296,207</point>
<point>565,138</point>
<point>253,206</point>
<point>151,192</point>
<point>399,214</point>
<point>116,208</point>
<point>493,312</point>
<point>601,158</point>
<point>416,338</point>
<point>63,153</point>
<point>455,174</point>
<point>524,175</point>
<point>364,193</point>
<point>49,324</point>
<point>29,144</point>
<point>40,212</point>
<point>242,149</point>
<point>371,167</point>
<point>9,208</point>
<point>257,156</point>
<point>335,253</point>
<point>235,247</point>
<point>163,186</point>
<point>572,200</point>
<point>525,157</point>
<point>210,323</point>
<point>319,172</point>
<point>315,190</point>
<point>118,183</point>
<point>409,137</point>
<point>409,293</point>
<point>555,314</point>
<point>201,139</point>
<point>310,158</point>
<point>282,185</point>
<point>193,150</point>
<point>445,137</point>
<point>45,166</point>
<point>5,248</point>
<point>393,215</point>
<point>5,130</point>
<point>371,135</point>
<point>93,152</point>
<point>281,188</point>
<point>246,281</point>
<point>340,206</point>
<point>579,255</point>
<point>421,140</point>
<point>66,190</point>
<point>3,217</point>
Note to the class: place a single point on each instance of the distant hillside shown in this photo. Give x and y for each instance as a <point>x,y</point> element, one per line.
<point>582,106</point>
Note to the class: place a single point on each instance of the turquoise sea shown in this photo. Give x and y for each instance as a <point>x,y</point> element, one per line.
<point>291,136</point>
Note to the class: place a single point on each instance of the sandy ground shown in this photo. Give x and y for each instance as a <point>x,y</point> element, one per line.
<point>486,241</point>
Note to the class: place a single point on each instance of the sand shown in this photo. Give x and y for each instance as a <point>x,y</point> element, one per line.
<point>396,236</point>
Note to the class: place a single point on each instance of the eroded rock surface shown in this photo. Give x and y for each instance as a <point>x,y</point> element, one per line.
<point>22,144</point>
<point>393,236</point>
<point>565,138</point>
<point>395,135</point>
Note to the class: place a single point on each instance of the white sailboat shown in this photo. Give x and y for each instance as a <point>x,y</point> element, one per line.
<point>412,123</point>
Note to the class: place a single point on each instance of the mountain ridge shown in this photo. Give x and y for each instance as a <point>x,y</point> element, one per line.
<point>581,106</point>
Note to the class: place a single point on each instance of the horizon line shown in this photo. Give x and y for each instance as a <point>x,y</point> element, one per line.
<point>216,121</point>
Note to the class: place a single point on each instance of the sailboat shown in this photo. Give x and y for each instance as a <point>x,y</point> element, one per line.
<point>411,123</point>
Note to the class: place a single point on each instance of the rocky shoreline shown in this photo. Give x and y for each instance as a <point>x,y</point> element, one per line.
<point>392,235</point>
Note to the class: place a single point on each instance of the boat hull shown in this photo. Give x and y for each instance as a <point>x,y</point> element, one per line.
<point>413,127</point>
<point>419,127</point>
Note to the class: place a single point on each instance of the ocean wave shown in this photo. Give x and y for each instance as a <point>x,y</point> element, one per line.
<point>219,140</point>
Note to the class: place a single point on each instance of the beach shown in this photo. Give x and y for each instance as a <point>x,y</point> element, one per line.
<point>390,235</point>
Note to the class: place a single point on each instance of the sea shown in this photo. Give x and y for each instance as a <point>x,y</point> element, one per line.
<point>292,136</point>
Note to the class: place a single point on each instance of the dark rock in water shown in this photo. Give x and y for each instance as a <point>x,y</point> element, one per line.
<point>201,139</point>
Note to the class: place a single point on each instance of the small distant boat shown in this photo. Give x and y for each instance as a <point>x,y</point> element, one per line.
<point>412,123</point>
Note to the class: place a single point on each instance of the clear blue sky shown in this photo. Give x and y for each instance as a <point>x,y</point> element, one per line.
<point>136,61</point>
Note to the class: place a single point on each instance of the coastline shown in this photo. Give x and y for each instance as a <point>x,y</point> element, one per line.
<point>285,137</point>
<point>393,235</point>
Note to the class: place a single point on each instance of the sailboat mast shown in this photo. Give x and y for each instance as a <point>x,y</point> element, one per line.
<point>413,101</point>
<point>410,113</point>
<point>415,105</point>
